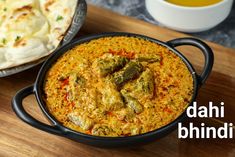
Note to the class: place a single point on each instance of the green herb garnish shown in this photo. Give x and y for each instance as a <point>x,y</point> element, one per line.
<point>17,38</point>
<point>59,18</point>
<point>4,41</point>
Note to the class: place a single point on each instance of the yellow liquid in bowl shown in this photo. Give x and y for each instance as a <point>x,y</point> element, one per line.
<point>194,3</point>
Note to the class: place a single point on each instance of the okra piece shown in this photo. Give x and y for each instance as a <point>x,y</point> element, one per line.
<point>100,130</point>
<point>76,79</point>
<point>131,71</point>
<point>84,122</point>
<point>109,63</point>
<point>132,102</point>
<point>145,82</point>
<point>76,82</point>
<point>150,58</point>
<point>126,114</point>
<point>111,98</point>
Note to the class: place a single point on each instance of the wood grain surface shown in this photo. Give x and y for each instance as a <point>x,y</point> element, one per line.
<point>18,139</point>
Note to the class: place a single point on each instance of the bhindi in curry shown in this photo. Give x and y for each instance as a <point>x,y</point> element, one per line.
<point>117,86</point>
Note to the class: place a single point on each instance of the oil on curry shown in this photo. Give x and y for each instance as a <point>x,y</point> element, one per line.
<point>118,86</point>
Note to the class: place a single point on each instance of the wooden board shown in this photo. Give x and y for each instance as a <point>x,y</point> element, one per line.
<point>21,140</point>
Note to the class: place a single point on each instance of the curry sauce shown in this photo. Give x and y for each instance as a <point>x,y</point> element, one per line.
<point>117,86</point>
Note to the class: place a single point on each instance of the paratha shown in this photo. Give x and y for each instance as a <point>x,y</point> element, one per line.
<point>32,29</point>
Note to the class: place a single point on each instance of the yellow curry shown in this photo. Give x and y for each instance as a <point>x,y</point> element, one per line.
<point>117,86</point>
<point>194,3</point>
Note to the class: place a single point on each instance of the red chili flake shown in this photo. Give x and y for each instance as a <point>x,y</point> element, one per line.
<point>88,132</point>
<point>65,82</point>
<point>66,96</point>
<point>112,52</point>
<point>123,53</point>
<point>109,113</point>
<point>175,57</point>
<point>167,109</point>
<point>72,104</point>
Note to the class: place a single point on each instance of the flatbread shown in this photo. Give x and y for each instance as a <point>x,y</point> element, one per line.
<point>32,29</point>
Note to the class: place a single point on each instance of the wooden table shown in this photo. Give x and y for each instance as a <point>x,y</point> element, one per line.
<point>21,140</point>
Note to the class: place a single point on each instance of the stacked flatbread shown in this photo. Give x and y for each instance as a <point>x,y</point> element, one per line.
<point>32,29</point>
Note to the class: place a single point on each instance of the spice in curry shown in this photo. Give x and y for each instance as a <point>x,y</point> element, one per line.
<point>118,86</point>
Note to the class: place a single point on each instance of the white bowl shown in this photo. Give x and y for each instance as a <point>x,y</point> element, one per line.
<point>189,19</point>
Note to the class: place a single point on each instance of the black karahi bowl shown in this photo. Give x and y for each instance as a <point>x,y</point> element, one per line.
<point>58,129</point>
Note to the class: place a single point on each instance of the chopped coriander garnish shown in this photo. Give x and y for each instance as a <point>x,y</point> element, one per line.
<point>17,38</point>
<point>5,9</point>
<point>59,18</point>
<point>4,41</point>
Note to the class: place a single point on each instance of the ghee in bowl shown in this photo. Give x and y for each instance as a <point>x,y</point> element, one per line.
<point>189,15</point>
<point>193,3</point>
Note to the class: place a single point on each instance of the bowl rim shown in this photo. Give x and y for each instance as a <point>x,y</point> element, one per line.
<point>175,6</point>
<point>38,87</point>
